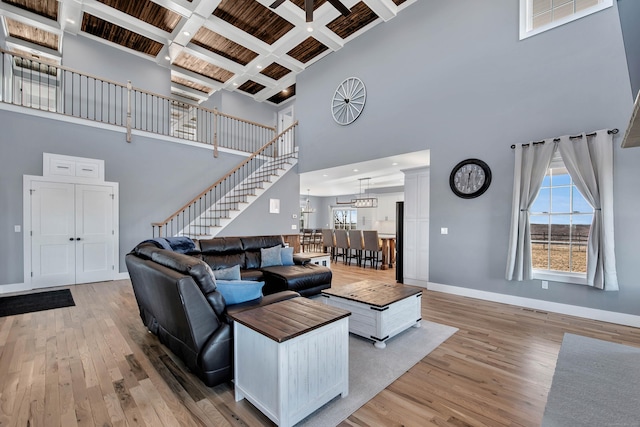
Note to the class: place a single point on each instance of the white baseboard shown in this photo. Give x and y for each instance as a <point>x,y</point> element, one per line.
<point>415,282</point>
<point>571,310</point>
<point>21,287</point>
<point>14,287</point>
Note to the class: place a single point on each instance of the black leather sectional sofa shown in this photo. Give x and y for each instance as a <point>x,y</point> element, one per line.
<point>180,303</point>
<point>223,252</point>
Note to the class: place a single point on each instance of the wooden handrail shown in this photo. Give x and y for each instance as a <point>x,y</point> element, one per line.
<point>231,172</point>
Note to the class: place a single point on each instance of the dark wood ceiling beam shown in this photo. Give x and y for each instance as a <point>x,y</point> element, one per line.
<point>385,9</point>
<point>198,78</point>
<point>213,58</point>
<point>248,34</point>
<point>123,20</point>
<point>30,18</point>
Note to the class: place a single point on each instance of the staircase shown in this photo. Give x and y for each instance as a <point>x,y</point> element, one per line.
<point>217,206</point>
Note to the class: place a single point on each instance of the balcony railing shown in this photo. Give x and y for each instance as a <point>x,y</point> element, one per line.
<point>46,86</point>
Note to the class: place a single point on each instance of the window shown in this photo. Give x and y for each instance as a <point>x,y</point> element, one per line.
<point>346,219</point>
<point>560,220</point>
<point>537,16</point>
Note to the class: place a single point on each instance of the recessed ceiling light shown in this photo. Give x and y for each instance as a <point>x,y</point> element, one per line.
<point>71,21</point>
<point>355,170</point>
<point>259,67</point>
<point>168,58</point>
<point>394,164</point>
<point>310,29</point>
<point>186,33</point>
<point>325,175</point>
<point>235,83</point>
<point>285,91</point>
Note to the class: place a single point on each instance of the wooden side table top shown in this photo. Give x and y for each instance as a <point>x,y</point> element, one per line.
<point>373,292</point>
<point>290,318</point>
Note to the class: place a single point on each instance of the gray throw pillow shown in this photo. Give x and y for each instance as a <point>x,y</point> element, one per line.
<point>287,256</point>
<point>270,256</point>
<point>231,273</point>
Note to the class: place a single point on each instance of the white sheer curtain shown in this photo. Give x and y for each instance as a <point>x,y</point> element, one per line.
<point>531,164</point>
<point>589,161</point>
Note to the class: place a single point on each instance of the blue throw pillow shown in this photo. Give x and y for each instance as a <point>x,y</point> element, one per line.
<point>270,256</point>
<point>231,273</point>
<point>237,291</point>
<point>286,255</point>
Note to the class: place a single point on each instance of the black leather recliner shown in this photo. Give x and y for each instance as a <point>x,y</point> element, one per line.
<point>179,303</point>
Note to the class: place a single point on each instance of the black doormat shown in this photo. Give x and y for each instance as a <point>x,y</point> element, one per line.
<point>20,304</point>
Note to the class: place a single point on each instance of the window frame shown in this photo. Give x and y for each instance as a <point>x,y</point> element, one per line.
<point>526,9</point>
<point>559,275</point>
<point>351,211</point>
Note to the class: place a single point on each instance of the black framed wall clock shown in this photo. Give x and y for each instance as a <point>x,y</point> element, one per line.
<point>470,178</point>
<point>348,101</point>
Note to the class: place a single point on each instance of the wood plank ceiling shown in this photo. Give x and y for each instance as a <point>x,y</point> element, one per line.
<point>208,45</point>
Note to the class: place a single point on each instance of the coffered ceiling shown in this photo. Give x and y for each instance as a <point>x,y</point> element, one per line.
<point>209,45</point>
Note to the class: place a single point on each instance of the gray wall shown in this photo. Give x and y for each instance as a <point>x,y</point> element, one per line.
<point>109,63</point>
<point>156,177</point>
<point>256,219</point>
<point>454,78</point>
<point>240,105</point>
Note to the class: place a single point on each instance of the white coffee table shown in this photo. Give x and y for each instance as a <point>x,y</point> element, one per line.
<point>379,310</point>
<point>291,357</point>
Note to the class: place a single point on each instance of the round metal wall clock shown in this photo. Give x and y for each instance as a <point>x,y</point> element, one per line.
<point>348,101</point>
<point>470,178</point>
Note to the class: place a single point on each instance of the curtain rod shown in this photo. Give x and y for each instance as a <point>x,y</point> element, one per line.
<point>610,131</point>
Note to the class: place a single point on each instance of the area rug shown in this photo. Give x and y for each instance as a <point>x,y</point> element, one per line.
<point>371,370</point>
<point>596,383</point>
<point>20,304</point>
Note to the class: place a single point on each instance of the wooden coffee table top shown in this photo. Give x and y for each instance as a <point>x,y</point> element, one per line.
<point>290,318</point>
<point>373,292</point>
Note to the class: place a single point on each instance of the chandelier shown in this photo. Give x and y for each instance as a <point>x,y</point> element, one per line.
<point>364,200</point>
<point>307,209</point>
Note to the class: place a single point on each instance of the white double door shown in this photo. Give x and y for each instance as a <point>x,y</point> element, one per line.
<point>72,233</point>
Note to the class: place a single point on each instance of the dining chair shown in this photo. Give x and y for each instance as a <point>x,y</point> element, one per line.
<point>372,248</point>
<point>317,240</point>
<point>356,245</point>
<point>305,240</point>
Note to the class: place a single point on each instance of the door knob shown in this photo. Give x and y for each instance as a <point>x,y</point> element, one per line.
<point>77,238</point>
<point>71,239</point>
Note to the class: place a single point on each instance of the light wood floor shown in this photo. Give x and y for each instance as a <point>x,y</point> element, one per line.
<point>95,364</point>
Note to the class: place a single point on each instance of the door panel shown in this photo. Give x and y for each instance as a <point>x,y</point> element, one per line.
<point>94,229</point>
<point>53,234</point>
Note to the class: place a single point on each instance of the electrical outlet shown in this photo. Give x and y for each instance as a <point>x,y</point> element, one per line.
<point>444,230</point>
<point>545,284</point>
<point>294,227</point>
<point>294,216</point>
<point>16,228</point>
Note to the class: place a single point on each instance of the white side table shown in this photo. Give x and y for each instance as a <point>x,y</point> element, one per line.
<point>291,357</point>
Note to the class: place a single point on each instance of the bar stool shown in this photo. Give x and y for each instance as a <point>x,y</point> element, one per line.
<point>329,242</point>
<point>372,247</point>
<point>356,245</point>
<point>342,245</point>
